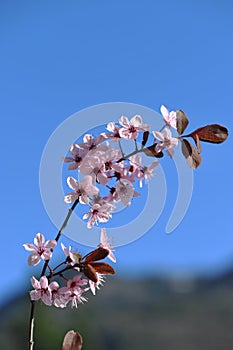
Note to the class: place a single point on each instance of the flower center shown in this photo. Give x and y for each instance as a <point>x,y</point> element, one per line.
<point>132,129</point>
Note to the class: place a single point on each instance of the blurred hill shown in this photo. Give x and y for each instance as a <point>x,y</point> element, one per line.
<point>184,314</point>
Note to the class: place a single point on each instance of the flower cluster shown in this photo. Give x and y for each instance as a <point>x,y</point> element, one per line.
<point>88,272</point>
<point>107,176</point>
<point>52,294</point>
<point>102,164</point>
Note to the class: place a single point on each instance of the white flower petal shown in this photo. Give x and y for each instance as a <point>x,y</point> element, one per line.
<point>85,216</point>
<point>39,239</point>
<point>84,199</point>
<point>111,256</point>
<point>35,295</point>
<point>124,133</point>
<point>50,244</point>
<point>88,138</point>
<point>86,167</point>
<point>112,127</point>
<point>74,149</point>
<point>92,287</point>
<point>164,111</point>
<point>86,181</point>
<point>47,298</point>
<point>144,127</point>
<point>102,179</point>
<point>35,283</point>
<point>46,255</point>
<point>124,121</point>
<point>158,135</point>
<point>71,197</point>
<point>103,217</point>
<point>136,159</point>
<point>34,259</point>
<point>72,183</point>
<point>53,286</point>
<point>44,282</point>
<point>29,247</point>
<point>136,120</point>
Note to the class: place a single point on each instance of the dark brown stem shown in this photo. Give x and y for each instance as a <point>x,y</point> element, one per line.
<point>66,220</point>
<point>32,311</point>
<point>60,232</point>
<point>130,155</point>
<point>69,267</point>
<point>31,326</point>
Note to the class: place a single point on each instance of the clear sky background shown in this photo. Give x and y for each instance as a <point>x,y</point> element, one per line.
<point>58,57</point>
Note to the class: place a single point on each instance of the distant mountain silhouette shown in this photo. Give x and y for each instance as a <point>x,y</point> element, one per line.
<point>166,314</point>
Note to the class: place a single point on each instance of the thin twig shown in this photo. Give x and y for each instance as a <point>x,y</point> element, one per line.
<point>31,326</point>
<point>32,311</point>
<point>60,232</point>
<point>129,155</point>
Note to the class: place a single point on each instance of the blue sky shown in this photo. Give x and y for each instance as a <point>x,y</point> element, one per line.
<point>59,57</point>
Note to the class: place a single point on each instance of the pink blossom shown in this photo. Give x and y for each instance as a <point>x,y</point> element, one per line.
<point>90,142</point>
<point>125,191</point>
<point>83,190</point>
<point>114,132</point>
<point>59,299</point>
<point>105,243</point>
<point>168,117</point>
<point>101,163</point>
<point>166,141</point>
<point>78,156</point>
<point>98,213</point>
<point>75,297</point>
<point>141,171</point>
<point>110,166</point>
<point>41,290</point>
<point>131,127</point>
<point>40,249</point>
<point>96,285</point>
<point>94,167</point>
<point>124,174</point>
<point>110,158</point>
<point>74,290</point>
<point>76,282</point>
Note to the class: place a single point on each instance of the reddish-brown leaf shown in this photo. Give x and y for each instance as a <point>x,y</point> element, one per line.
<point>151,152</point>
<point>181,121</point>
<point>192,156</point>
<point>90,273</point>
<point>72,341</point>
<point>97,254</point>
<point>145,138</point>
<point>213,133</point>
<point>102,268</point>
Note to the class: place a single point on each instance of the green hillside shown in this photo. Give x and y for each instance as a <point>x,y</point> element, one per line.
<point>145,314</point>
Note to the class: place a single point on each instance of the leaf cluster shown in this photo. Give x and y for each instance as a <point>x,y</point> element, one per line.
<point>213,133</point>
